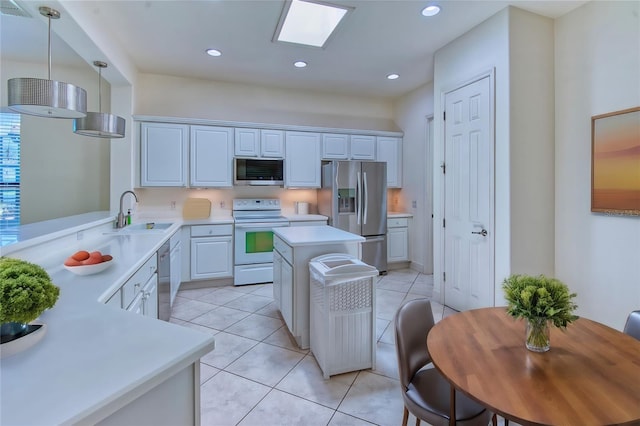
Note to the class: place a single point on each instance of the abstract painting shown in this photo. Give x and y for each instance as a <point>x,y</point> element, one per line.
<point>615,162</point>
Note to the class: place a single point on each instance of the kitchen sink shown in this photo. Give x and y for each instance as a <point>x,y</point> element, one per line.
<point>143,228</point>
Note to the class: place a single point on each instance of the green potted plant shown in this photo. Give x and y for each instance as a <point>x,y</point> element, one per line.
<point>26,291</point>
<point>540,300</point>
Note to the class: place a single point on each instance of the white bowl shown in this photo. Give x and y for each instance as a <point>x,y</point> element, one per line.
<point>89,269</point>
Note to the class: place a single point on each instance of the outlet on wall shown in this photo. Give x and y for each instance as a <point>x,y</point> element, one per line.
<point>222,204</point>
<point>173,205</point>
<point>414,204</point>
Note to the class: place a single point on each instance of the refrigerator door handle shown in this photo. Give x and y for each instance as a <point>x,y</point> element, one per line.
<point>366,198</point>
<point>358,198</point>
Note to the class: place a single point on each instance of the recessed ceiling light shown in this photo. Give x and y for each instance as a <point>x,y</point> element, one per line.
<point>309,23</point>
<point>431,10</point>
<point>300,64</point>
<point>213,52</point>
<point>393,76</point>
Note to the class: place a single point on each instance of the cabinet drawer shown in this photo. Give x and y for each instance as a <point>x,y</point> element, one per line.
<point>285,251</point>
<point>211,230</point>
<point>134,284</point>
<point>397,222</point>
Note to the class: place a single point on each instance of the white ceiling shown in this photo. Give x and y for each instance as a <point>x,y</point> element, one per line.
<point>170,37</point>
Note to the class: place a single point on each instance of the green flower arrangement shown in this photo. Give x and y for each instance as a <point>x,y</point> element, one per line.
<point>539,300</point>
<point>26,291</point>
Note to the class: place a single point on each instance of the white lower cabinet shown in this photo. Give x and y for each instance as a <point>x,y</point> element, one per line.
<point>397,240</point>
<point>139,293</point>
<point>211,251</point>
<point>291,281</point>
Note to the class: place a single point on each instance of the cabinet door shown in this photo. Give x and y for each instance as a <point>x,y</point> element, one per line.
<point>163,154</point>
<point>150,297</point>
<point>390,151</point>
<point>247,142</point>
<point>363,147</point>
<point>335,147</point>
<point>397,245</point>
<point>211,257</point>
<point>272,143</point>
<point>286,303</point>
<point>211,156</point>
<point>302,160</point>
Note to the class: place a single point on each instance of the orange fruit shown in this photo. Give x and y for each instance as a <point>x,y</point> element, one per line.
<point>72,262</point>
<point>106,257</point>
<point>81,255</point>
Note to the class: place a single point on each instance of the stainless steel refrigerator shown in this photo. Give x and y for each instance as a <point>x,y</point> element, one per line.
<point>354,197</point>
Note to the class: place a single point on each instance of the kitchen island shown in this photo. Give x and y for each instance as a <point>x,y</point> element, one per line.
<point>98,363</point>
<point>293,249</point>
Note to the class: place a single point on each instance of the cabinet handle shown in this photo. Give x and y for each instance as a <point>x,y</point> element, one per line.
<point>136,287</point>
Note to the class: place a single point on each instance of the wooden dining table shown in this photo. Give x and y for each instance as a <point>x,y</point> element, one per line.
<point>590,376</point>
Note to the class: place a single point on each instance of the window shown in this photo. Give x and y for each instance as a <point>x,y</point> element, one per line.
<point>9,169</point>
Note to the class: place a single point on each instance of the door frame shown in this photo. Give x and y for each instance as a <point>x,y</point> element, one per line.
<point>428,260</point>
<point>439,283</point>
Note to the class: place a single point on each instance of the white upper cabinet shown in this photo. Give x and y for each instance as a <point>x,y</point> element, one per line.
<point>390,150</point>
<point>163,152</point>
<point>272,143</point>
<point>259,143</point>
<point>363,147</point>
<point>302,163</point>
<point>247,142</point>
<point>335,146</point>
<point>211,156</point>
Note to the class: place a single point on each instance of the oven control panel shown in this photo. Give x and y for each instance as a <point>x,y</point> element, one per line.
<point>256,204</point>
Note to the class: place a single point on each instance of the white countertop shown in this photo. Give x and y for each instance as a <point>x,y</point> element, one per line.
<point>312,235</point>
<point>304,217</point>
<point>93,356</point>
<point>399,214</point>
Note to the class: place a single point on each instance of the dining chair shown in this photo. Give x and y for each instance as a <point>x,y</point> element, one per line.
<point>426,393</point>
<point>632,326</point>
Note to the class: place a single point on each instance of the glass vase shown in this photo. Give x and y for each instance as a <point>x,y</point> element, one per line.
<point>537,334</point>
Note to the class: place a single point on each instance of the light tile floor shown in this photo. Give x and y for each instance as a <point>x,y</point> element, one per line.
<point>256,375</point>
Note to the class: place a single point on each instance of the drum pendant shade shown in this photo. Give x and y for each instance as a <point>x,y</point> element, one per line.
<point>46,98</point>
<point>100,124</point>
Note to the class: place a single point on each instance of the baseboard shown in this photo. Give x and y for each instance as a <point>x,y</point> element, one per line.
<point>191,285</point>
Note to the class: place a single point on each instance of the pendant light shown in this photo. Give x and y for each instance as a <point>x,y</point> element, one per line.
<point>99,124</point>
<point>47,98</point>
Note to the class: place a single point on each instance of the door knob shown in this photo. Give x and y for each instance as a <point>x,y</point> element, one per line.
<point>483,232</point>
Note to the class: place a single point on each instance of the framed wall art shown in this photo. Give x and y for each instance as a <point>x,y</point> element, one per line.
<point>615,162</point>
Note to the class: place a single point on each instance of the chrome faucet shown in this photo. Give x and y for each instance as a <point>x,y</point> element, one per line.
<point>121,221</point>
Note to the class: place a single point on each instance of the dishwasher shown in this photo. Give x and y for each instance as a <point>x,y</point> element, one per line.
<point>168,275</point>
<point>164,281</point>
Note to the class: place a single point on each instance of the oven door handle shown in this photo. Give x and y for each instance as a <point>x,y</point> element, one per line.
<point>261,225</point>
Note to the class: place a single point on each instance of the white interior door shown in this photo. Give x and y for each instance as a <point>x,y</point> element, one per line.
<point>469,197</point>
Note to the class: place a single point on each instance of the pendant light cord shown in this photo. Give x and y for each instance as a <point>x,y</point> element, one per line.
<point>100,90</point>
<point>49,48</point>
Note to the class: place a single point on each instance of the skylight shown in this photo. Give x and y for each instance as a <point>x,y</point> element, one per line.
<point>309,23</point>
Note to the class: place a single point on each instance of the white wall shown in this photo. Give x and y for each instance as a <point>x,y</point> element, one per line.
<point>518,46</point>
<point>411,113</point>
<point>162,95</point>
<point>481,50</point>
<point>597,55</point>
<point>63,174</point>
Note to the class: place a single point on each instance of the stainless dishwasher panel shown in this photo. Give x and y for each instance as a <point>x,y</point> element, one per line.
<point>164,281</point>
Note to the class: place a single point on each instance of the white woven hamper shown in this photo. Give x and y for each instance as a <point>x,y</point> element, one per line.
<point>342,313</point>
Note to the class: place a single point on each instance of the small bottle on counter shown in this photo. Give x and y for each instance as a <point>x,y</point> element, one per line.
<point>129,217</point>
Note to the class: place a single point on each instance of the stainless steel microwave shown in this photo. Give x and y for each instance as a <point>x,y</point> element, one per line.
<point>258,171</point>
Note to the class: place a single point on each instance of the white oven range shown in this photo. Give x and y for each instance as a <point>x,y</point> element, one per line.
<point>254,220</point>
